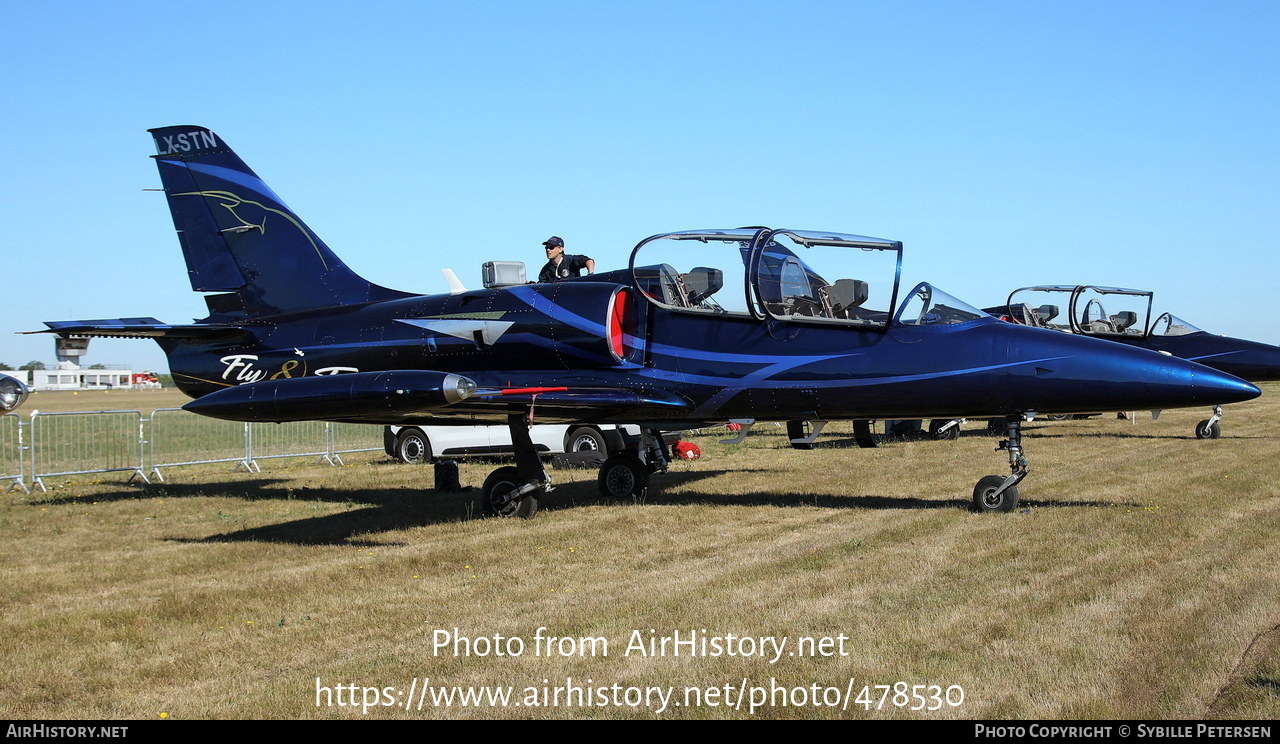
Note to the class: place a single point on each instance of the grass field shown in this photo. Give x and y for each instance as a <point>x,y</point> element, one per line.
<point>1138,580</point>
<point>145,400</point>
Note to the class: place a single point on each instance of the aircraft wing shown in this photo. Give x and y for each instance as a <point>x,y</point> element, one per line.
<point>582,403</point>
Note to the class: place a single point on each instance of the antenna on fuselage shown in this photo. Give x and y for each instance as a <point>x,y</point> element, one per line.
<point>455,284</point>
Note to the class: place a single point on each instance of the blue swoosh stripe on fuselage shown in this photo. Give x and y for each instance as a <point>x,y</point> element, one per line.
<point>1212,356</point>
<point>848,382</point>
<point>449,343</point>
<point>542,304</point>
<point>757,378</point>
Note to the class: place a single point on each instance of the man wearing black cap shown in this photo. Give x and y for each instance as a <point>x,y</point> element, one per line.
<point>561,265</point>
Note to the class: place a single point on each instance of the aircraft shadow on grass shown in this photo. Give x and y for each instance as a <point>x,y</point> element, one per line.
<point>1044,434</point>
<point>828,501</point>
<point>1038,432</point>
<point>392,509</point>
<point>253,490</point>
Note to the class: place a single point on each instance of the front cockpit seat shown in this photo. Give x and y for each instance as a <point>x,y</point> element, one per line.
<point>1123,320</point>
<point>846,295</point>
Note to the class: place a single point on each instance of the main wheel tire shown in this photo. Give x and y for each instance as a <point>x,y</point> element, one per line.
<point>937,432</point>
<point>412,446</point>
<point>585,439</point>
<point>1206,430</point>
<point>996,427</point>
<point>622,476</point>
<point>984,499</point>
<point>493,496</point>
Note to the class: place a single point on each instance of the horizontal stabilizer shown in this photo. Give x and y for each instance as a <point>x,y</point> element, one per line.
<point>139,328</point>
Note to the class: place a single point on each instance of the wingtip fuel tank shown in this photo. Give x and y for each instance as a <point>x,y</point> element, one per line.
<point>336,397</point>
<point>13,393</point>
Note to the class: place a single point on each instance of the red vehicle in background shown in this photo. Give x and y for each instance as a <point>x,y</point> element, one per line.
<point>144,380</point>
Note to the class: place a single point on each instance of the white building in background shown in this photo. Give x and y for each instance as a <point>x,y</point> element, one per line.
<point>69,375</point>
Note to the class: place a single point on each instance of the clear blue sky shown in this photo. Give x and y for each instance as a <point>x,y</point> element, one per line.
<point>1006,143</point>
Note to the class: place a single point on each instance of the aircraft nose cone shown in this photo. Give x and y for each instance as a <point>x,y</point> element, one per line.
<point>1219,387</point>
<point>1075,374</point>
<point>1164,381</point>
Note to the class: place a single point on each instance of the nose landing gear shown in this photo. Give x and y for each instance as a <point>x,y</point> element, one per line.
<point>1209,429</point>
<point>999,493</point>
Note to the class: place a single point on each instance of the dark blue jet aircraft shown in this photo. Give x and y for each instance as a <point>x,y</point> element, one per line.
<point>1124,315</point>
<point>704,326</point>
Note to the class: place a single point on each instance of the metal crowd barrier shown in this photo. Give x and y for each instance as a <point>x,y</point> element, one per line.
<point>347,438</point>
<point>292,439</point>
<point>78,443</point>
<point>11,451</point>
<point>84,442</point>
<point>179,437</point>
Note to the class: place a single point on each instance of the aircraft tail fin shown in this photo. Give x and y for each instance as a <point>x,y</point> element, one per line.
<point>239,238</point>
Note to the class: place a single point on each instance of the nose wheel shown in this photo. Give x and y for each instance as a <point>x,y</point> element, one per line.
<point>999,493</point>
<point>1209,429</point>
<point>945,428</point>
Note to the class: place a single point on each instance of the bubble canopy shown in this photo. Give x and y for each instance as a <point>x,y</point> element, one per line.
<point>928,305</point>
<point>803,276</point>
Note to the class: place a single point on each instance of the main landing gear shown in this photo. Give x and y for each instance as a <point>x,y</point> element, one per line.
<point>506,494</point>
<point>999,493</point>
<point>626,474</point>
<point>513,492</point>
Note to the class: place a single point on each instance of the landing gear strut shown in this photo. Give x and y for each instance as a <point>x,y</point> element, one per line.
<point>1209,429</point>
<point>513,492</point>
<point>998,493</point>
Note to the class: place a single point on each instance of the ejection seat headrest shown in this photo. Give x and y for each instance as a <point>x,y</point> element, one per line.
<point>848,293</point>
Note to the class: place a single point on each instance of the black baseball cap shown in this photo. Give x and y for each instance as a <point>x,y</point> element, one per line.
<point>554,240</point>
